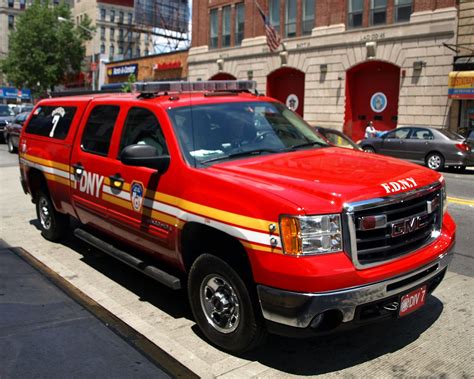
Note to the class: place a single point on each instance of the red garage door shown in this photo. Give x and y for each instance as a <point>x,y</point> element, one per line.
<point>372,91</point>
<point>287,85</point>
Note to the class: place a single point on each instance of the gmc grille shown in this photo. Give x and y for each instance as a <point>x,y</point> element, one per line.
<point>385,229</point>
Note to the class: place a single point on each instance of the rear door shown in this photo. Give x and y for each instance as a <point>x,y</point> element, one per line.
<point>393,143</point>
<point>91,164</point>
<point>418,144</point>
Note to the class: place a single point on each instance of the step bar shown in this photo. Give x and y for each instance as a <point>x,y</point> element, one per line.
<point>153,272</point>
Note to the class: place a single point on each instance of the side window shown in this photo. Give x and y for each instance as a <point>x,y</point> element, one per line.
<point>142,127</point>
<point>99,128</point>
<point>422,134</point>
<point>399,134</point>
<point>51,121</point>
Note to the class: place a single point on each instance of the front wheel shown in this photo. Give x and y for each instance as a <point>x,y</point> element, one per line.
<point>222,305</point>
<point>435,161</point>
<point>53,224</point>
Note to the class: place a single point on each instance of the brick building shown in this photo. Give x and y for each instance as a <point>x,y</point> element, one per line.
<point>345,62</point>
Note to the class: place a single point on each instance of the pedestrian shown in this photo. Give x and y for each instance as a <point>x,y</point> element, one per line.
<point>370,131</point>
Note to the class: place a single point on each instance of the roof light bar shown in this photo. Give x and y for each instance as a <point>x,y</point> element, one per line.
<point>201,86</point>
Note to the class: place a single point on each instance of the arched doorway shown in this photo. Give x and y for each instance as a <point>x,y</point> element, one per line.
<point>287,85</point>
<point>223,76</point>
<point>372,91</point>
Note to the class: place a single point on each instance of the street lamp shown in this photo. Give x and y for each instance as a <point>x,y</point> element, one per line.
<point>94,66</point>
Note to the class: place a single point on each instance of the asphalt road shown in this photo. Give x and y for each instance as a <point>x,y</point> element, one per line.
<point>433,342</point>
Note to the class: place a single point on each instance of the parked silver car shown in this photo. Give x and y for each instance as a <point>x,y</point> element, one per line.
<point>436,148</point>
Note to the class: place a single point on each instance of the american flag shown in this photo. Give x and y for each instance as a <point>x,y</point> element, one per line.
<point>273,38</point>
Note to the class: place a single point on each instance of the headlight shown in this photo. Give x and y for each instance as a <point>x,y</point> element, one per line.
<point>308,235</point>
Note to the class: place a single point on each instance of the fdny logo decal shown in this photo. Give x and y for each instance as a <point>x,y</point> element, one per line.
<point>90,182</point>
<point>399,185</point>
<point>136,195</point>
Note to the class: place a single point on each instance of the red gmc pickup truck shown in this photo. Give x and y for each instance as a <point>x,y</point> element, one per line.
<point>212,187</point>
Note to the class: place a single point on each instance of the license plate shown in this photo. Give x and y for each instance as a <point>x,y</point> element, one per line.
<point>412,301</point>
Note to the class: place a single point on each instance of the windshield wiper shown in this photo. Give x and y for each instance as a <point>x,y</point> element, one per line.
<point>306,144</point>
<point>242,154</point>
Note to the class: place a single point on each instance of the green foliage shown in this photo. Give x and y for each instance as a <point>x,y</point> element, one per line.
<point>43,50</point>
<point>127,87</point>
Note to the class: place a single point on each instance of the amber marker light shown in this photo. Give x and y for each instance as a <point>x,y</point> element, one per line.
<point>290,233</point>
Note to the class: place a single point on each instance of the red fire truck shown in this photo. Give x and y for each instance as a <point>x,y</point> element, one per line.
<point>212,187</point>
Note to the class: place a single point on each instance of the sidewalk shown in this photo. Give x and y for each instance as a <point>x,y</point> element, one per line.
<point>45,333</point>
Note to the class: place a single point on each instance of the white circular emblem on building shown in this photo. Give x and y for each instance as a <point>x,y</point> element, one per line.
<point>292,102</point>
<point>378,102</point>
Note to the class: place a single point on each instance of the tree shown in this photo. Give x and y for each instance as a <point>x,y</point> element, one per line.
<point>44,50</point>
<point>128,86</point>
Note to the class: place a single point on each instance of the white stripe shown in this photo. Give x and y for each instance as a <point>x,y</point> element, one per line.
<point>241,233</point>
<point>49,170</point>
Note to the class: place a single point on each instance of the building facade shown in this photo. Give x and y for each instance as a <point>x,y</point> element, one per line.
<point>159,67</point>
<point>344,62</point>
<point>461,79</point>
<point>116,36</point>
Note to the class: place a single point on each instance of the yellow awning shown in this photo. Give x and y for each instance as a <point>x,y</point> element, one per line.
<point>461,85</point>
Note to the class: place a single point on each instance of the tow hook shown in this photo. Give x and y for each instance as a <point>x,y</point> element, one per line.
<point>392,307</point>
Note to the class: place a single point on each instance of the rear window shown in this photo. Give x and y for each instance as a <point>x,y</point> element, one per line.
<point>450,134</point>
<point>51,121</point>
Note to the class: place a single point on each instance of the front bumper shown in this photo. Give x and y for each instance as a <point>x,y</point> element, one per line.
<point>303,310</point>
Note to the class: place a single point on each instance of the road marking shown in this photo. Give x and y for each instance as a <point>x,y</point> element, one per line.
<point>457,200</point>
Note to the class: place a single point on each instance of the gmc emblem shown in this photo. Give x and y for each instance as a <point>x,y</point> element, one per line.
<point>408,225</point>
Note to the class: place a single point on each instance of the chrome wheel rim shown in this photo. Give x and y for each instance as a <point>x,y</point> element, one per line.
<point>45,214</point>
<point>220,303</point>
<point>434,162</point>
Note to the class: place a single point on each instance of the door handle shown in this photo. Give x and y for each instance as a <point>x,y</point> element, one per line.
<point>116,181</point>
<point>78,170</point>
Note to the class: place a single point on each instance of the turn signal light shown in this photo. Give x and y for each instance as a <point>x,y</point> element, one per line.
<point>290,232</point>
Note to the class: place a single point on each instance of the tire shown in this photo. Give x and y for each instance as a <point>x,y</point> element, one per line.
<point>53,224</point>
<point>11,148</point>
<point>368,149</point>
<point>214,286</point>
<point>435,161</point>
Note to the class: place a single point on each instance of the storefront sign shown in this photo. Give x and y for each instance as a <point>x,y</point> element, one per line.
<point>125,70</point>
<point>378,102</point>
<point>13,93</point>
<point>173,65</point>
<point>461,85</point>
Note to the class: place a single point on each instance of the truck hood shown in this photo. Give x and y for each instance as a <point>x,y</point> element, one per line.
<point>322,180</point>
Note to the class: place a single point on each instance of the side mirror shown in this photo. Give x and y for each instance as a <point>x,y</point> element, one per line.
<point>144,156</point>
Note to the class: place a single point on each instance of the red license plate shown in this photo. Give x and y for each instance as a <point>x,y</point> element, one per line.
<point>412,301</point>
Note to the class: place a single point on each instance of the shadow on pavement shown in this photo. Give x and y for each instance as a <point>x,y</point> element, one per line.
<point>174,303</point>
<point>318,355</point>
<point>334,352</point>
<point>452,170</point>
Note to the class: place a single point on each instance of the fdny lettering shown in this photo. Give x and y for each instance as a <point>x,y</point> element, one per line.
<point>90,183</point>
<point>399,185</point>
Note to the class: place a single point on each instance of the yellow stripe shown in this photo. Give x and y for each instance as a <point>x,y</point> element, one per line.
<point>261,248</point>
<point>203,210</point>
<point>57,179</point>
<point>46,162</point>
<point>170,220</point>
<point>457,200</point>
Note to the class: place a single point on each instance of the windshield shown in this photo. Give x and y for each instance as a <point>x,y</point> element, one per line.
<point>6,111</point>
<point>218,132</point>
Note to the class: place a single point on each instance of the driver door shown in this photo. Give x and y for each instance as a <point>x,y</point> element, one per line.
<point>393,143</point>
<point>135,195</point>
